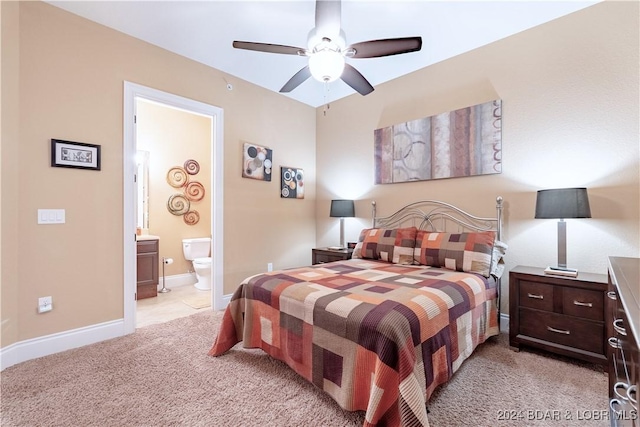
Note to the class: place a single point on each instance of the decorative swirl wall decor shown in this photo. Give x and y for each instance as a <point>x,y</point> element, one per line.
<point>194,191</point>
<point>178,204</point>
<point>177,177</point>
<point>192,167</point>
<point>191,217</point>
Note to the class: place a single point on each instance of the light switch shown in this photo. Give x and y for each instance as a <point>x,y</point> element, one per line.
<point>51,216</point>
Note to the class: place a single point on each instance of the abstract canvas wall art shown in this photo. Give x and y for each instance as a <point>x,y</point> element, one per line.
<point>291,183</point>
<point>459,143</point>
<point>256,162</point>
<point>193,191</point>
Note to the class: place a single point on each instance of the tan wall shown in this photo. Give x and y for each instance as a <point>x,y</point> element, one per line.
<point>71,74</point>
<point>173,136</point>
<point>9,166</point>
<point>570,118</point>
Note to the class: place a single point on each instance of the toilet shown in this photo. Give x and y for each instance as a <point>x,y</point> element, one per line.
<point>197,251</point>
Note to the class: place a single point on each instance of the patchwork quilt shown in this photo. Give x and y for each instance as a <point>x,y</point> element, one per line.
<point>375,336</point>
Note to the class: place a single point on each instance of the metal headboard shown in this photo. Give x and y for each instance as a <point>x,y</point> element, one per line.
<point>439,216</point>
<point>435,215</point>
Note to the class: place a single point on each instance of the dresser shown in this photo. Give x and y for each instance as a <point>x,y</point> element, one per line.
<point>623,330</point>
<point>322,255</point>
<point>558,314</point>
<point>147,268</point>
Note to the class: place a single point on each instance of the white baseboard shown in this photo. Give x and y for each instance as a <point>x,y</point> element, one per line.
<point>61,341</point>
<point>504,323</point>
<point>55,343</point>
<point>226,299</point>
<point>178,280</point>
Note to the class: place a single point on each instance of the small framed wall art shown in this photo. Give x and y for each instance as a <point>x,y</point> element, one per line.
<point>256,162</point>
<point>69,154</point>
<point>291,183</point>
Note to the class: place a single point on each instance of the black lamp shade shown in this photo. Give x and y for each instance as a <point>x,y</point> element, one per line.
<point>342,209</point>
<point>563,203</point>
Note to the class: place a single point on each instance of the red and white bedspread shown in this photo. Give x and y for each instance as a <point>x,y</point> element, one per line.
<point>375,336</point>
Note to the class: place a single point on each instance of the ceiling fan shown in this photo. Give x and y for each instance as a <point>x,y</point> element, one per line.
<point>327,50</point>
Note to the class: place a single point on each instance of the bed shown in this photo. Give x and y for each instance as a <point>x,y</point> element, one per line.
<point>381,331</point>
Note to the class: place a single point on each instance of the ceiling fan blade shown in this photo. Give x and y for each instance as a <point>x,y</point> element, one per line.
<point>353,78</point>
<point>270,48</point>
<point>328,17</point>
<point>297,79</point>
<point>386,47</point>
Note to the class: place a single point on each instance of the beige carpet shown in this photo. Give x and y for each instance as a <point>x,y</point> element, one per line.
<point>162,376</point>
<point>199,301</point>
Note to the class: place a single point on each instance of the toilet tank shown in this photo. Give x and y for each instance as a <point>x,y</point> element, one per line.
<point>196,248</point>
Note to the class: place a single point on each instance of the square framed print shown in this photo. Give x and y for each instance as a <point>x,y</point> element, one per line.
<point>78,155</point>
<point>291,183</point>
<point>256,162</point>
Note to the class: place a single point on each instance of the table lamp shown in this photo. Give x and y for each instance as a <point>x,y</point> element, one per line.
<point>342,209</point>
<point>562,203</point>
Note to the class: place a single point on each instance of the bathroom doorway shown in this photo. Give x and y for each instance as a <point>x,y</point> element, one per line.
<point>140,100</point>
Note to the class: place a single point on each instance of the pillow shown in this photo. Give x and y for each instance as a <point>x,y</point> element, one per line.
<point>394,245</point>
<point>468,252</point>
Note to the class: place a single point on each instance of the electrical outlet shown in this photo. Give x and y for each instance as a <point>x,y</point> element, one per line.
<point>45,304</point>
<point>270,266</point>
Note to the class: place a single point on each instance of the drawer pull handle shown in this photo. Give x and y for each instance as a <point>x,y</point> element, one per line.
<point>583,304</point>
<point>633,391</point>
<point>617,326</point>
<point>558,331</point>
<point>624,386</point>
<point>612,295</point>
<point>535,296</point>
<point>614,342</point>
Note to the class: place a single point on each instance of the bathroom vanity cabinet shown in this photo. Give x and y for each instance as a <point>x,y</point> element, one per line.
<point>147,268</point>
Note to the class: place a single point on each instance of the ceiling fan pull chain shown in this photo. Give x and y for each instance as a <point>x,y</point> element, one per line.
<point>326,92</point>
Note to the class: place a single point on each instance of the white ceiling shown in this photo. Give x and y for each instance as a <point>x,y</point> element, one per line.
<point>204,31</point>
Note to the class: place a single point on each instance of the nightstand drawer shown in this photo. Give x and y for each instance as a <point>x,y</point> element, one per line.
<point>583,303</point>
<point>562,315</point>
<point>322,258</point>
<point>536,295</point>
<point>323,255</point>
<point>561,329</point>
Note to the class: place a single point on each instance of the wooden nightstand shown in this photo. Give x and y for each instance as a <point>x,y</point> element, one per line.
<point>322,255</point>
<point>563,315</point>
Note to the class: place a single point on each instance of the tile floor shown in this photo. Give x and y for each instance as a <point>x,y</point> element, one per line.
<point>167,306</point>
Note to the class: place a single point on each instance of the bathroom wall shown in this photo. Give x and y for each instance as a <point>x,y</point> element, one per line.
<point>172,136</point>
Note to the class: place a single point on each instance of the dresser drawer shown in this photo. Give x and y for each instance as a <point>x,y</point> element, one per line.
<point>536,295</point>
<point>583,303</point>
<point>561,329</point>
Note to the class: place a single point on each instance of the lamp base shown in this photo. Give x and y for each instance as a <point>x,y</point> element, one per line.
<point>559,271</point>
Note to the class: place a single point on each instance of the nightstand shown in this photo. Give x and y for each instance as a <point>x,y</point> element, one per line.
<point>562,315</point>
<point>322,255</point>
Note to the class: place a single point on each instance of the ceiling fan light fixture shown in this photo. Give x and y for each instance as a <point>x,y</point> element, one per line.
<point>326,65</point>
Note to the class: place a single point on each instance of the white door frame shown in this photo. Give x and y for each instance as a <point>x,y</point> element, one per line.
<point>131,92</point>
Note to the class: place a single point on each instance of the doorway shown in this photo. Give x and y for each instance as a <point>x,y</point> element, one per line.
<point>132,94</point>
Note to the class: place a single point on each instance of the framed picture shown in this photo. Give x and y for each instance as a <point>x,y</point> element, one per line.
<point>291,183</point>
<point>69,154</point>
<point>460,143</point>
<point>256,162</point>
